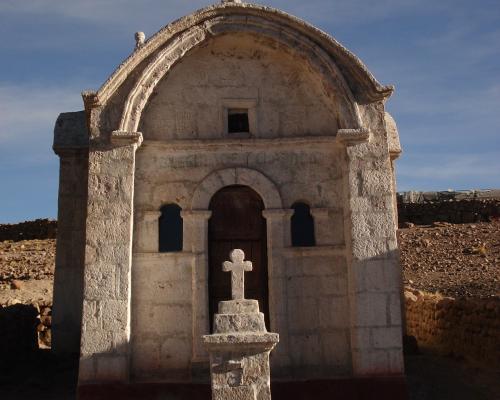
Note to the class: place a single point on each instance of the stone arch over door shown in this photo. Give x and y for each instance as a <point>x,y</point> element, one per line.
<point>197,220</point>
<point>217,180</point>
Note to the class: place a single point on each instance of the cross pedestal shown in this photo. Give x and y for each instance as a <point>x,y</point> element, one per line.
<point>240,345</point>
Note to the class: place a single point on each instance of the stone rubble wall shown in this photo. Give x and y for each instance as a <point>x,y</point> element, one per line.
<point>424,208</point>
<point>29,230</point>
<point>462,327</point>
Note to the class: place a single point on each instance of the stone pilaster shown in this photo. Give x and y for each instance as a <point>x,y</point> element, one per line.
<point>70,251</point>
<point>104,349</point>
<point>278,237</point>
<point>373,273</point>
<point>146,231</point>
<point>328,226</point>
<point>323,231</point>
<point>196,241</point>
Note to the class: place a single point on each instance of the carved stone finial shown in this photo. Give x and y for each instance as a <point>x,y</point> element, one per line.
<point>237,266</point>
<point>140,37</point>
<point>230,1</point>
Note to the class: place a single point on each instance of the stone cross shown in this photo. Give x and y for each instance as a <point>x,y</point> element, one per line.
<point>237,267</point>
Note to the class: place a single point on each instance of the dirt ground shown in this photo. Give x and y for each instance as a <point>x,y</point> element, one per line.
<point>26,271</point>
<point>456,260</point>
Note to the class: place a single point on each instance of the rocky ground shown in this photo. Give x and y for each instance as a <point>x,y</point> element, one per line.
<point>26,271</point>
<point>455,260</point>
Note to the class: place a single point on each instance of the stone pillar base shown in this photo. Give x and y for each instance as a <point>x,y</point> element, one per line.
<point>239,352</point>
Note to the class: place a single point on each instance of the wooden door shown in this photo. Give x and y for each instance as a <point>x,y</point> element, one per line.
<point>237,223</point>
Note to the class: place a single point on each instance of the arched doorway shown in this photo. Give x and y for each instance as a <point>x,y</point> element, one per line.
<point>237,222</point>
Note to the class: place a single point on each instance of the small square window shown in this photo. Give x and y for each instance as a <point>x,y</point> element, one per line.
<point>237,120</point>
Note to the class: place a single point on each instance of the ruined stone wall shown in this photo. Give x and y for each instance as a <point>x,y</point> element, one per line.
<point>29,230</point>
<point>464,327</point>
<point>454,207</point>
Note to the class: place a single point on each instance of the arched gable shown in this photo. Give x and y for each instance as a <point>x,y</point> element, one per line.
<point>162,51</point>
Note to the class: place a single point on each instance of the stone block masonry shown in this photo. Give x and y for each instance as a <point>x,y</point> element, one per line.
<point>463,327</point>
<point>240,345</point>
<point>157,134</point>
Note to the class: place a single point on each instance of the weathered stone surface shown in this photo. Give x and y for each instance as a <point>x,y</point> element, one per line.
<point>237,266</point>
<point>240,345</point>
<point>243,306</point>
<point>317,133</point>
<point>465,327</point>
<point>224,323</point>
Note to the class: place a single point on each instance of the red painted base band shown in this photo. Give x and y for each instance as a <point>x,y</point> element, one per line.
<point>393,388</point>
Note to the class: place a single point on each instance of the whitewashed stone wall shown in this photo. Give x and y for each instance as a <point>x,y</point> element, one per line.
<point>318,133</point>
<point>303,283</point>
<point>286,97</point>
<point>68,280</point>
<point>374,271</point>
<point>71,145</point>
<point>162,325</point>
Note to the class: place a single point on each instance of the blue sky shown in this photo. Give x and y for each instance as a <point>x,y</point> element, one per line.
<point>442,56</point>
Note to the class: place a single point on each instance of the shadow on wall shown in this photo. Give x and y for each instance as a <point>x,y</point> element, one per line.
<point>27,372</point>
<point>18,333</point>
<point>378,280</point>
<point>463,327</point>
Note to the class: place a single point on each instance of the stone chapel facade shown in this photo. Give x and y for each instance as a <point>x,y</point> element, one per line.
<point>236,126</point>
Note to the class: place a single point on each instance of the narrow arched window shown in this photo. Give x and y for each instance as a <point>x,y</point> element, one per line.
<point>170,229</point>
<point>302,226</point>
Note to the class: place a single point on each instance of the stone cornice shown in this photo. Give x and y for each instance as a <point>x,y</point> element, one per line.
<point>319,213</point>
<point>196,214</point>
<point>123,138</point>
<point>242,144</point>
<point>313,251</point>
<point>148,215</point>
<point>350,137</point>
<point>271,213</point>
<point>395,154</point>
<point>146,256</point>
<point>70,151</point>
<point>90,99</point>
